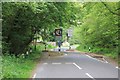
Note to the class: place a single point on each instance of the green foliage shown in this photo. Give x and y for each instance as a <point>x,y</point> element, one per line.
<point>83,48</point>
<point>104,51</point>
<point>49,46</point>
<point>17,33</point>
<point>20,67</point>
<point>0,67</point>
<point>16,68</point>
<point>22,21</point>
<point>95,24</point>
<point>99,28</point>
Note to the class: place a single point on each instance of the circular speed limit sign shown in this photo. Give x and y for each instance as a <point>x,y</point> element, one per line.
<point>58,32</point>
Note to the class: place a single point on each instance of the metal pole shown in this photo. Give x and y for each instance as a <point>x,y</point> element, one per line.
<point>45,46</point>
<point>59,45</point>
<point>69,43</point>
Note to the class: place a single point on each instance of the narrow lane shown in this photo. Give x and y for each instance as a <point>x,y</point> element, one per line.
<point>75,65</point>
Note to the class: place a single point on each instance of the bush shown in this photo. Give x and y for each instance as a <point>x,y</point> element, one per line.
<point>50,46</point>
<point>105,51</point>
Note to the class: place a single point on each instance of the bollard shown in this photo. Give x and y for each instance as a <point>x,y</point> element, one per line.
<point>89,49</point>
<point>30,50</point>
<point>23,56</point>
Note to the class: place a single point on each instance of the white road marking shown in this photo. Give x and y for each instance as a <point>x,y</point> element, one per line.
<point>97,59</point>
<point>56,63</point>
<point>77,66</point>
<point>68,63</point>
<point>105,60</point>
<point>88,56</point>
<point>89,76</point>
<point>93,58</point>
<point>45,63</point>
<point>65,54</point>
<point>34,75</point>
<point>117,67</point>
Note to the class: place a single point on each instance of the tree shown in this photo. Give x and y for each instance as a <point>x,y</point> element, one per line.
<point>99,26</point>
<point>22,21</point>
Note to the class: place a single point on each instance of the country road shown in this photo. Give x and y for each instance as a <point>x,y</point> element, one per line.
<point>75,65</point>
<point>59,40</point>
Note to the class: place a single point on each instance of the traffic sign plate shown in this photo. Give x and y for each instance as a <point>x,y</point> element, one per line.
<point>58,32</point>
<point>70,32</point>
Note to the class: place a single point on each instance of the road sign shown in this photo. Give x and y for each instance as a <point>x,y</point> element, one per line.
<point>70,32</point>
<point>58,32</point>
<point>58,37</point>
<point>59,43</point>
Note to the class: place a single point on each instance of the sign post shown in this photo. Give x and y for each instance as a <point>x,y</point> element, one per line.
<point>58,34</point>
<point>69,34</point>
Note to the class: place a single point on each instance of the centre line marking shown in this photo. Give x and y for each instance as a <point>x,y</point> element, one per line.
<point>34,75</point>
<point>45,63</point>
<point>77,66</point>
<point>89,76</point>
<point>68,63</point>
<point>56,63</point>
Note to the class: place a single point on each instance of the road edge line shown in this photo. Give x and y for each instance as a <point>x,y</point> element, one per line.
<point>34,75</point>
<point>105,60</point>
<point>89,56</point>
<point>98,59</point>
<point>117,67</point>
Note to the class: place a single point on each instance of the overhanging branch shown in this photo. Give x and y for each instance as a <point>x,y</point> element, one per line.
<point>110,9</point>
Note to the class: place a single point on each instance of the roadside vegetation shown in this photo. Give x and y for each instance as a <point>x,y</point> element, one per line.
<point>101,51</point>
<point>20,67</point>
<point>24,23</point>
<point>98,30</point>
<point>23,66</point>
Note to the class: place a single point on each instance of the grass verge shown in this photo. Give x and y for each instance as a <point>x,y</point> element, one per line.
<point>21,67</point>
<point>103,51</point>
